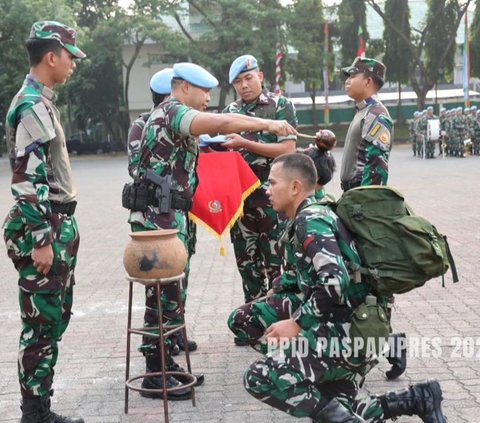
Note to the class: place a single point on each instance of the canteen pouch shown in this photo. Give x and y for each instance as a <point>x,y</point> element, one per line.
<point>135,196</point>
<point>369,329</point>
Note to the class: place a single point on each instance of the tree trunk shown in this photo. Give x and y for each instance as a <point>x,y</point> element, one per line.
<point>400,118</point>
<point>222,98</point>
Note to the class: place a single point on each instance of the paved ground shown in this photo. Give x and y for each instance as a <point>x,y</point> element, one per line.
<point>90,371</point>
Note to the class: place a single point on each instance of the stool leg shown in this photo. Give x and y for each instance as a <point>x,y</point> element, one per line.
<point>184,333</point>
<point>129,325</point>
<point>161,340</point>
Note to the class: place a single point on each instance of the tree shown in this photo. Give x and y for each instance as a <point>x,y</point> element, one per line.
<point>351,23</point>
<point>432,52</point>
<point>397,57</point>
<point>310,59</point>
<point>475,43</point>
<point>232,29</point>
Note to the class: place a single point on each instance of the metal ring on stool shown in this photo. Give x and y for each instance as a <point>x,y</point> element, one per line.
<point>181,375</point>
<point>163,281</point>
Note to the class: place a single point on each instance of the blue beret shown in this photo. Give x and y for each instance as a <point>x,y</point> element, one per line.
<point>429,108</point>
<point>161,82</point>
<point>241,64</point>
<point>473,108</point>
<point>194,74</point>
<point>416,114</point>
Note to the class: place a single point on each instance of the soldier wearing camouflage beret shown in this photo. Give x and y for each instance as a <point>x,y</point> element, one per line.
<point>40,230</point>
<point>322,382</point>
<point>370,135</point>
<point>255,234</point>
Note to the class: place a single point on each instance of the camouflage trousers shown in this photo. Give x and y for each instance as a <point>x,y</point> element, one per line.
<point>45,301</point>
<point>255,243</point>
<point>249,321</point>
<point>302,385</point>
<point>187,234</point>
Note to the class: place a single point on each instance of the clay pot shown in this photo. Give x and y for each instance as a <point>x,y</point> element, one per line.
<point>325,140</point>
<point>155,254</point>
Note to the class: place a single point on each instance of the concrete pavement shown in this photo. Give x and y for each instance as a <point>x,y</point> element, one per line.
<point>90,372</point>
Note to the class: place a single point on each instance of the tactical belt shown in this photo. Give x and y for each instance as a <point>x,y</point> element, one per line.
<point>349,185</point>
<point>178,203</point>
<point>66,208</point>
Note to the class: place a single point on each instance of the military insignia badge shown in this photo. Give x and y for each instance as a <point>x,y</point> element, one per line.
<point>384,138</point>
<point>214,206</point>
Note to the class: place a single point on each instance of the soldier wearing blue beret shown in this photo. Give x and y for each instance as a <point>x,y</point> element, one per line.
<point>169,148</point>
<point>255,235</point>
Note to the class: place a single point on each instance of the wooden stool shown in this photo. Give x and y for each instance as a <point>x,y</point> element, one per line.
<point>188,379</point>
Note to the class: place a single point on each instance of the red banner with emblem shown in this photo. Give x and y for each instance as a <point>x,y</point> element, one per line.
<point>225,181</point>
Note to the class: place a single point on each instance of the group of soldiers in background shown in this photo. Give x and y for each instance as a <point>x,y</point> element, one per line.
<point>459,132</point>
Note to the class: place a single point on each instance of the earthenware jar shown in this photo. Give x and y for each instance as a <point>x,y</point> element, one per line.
<point>155,254</point>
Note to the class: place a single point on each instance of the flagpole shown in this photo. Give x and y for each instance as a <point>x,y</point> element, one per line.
<point>326,111</point>
<point>278,70</point>
<point>466,64</point>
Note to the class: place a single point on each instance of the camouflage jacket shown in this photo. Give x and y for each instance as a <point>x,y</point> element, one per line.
<point>267,106</point>
<point>168,148</point>
<point>39,159</point>
<point>321,248</point>
<point>367,145</point>
<point>134,141</point>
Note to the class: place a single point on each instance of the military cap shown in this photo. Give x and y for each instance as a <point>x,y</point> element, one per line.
<point>51,30</point>
<point>161,82</point>
<point>241,64</point>
<point>459,109</point>
<point>194,74</point>
<point>466,110</point>
<point>473,108</point>
<point>416,114</point>
<point>365,65</point>
<point>442,109</point>
<point>429,108</point>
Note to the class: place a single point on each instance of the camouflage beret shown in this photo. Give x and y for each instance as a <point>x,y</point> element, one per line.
<point>51,30</point>
<point>365,65</point>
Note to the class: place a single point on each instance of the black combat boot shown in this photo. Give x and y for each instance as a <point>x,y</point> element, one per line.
<point>192,345</point>
<point>397,356</point>
<point>172,366</point>
<point>154,364</point>
<point>37,410</point>
<point>335,412</point>
<point>422,400</point>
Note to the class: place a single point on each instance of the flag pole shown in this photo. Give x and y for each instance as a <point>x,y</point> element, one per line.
<point>466,64</point>
<point>326,111</point>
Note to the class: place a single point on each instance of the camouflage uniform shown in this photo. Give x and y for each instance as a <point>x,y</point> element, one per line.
<point>413,135</point>
<point>41,183</point>
<point>134,143</point>
<point>459,133</point>
<point>168,148</point>
<point>476,134</point>
<point>298,385</point>
<point>367,146</point>
<point>255,234</point>
<point>249,321</point>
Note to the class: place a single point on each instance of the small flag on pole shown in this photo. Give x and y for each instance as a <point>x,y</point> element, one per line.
<point>278,70</point>
<point>361,43</point>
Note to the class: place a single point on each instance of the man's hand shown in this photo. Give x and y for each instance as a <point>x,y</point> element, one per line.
<point>234,141</point>
<point>280,127</point>
<point>283,329</point>
<point>43,258</point>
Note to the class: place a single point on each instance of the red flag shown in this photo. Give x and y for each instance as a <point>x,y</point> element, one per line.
<point>361,46</point>
<point>225,181</point>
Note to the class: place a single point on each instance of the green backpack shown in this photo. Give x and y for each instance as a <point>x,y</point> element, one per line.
<point>399,250</point>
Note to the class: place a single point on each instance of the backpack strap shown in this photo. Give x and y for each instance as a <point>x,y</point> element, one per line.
<point>453,267</point>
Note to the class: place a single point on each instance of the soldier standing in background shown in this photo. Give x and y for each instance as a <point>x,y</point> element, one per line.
<point>412,131</point>
<point>255,234</point>
<point>367,150</point>
<point>40,231</point>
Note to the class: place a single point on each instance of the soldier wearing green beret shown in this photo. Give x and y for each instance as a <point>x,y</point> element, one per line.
<point>40,230</point>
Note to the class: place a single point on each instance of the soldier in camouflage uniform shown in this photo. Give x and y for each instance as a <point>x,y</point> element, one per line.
<point>370,135</point>
<point>40,231</point>
<point>255,234</point>
<point>168,147</point>
<point>443,130</point>
<point>319,383</point>
<point>459,129</point>
<point>367,148</point>
<point>412,131</point>
<point>250,321</point>
<point>476,134</point>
